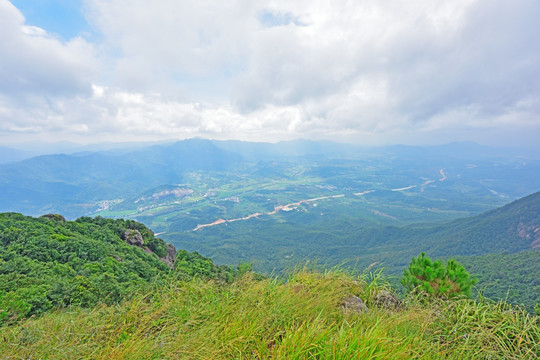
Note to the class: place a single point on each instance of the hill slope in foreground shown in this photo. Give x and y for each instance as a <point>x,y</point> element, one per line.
<point>265,319</point>
<point>106,289</point>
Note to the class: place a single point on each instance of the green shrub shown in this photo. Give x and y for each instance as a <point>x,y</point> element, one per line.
<point>158,246</point>
<point>436,279</point>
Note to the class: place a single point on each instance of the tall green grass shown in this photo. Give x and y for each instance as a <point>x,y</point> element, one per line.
<point>301,318</point>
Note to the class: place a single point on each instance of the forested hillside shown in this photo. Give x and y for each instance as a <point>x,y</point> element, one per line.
<point>48,262</point>
<point>513,277</point>
<point>274,244</point>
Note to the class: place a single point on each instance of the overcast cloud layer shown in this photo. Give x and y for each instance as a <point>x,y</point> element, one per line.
<point>363,71</point>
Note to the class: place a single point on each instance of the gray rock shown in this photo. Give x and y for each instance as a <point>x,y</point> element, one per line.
<point>354,303</point>
<point>134,237</point>
<point>170,257</point>
<point>386,300</point>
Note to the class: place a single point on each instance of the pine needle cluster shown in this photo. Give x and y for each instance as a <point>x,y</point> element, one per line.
<point>436,279</point>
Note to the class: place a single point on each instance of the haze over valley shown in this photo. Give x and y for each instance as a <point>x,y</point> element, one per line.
<point>278,205</point>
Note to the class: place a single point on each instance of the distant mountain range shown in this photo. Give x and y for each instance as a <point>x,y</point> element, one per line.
<point>71,183</point>
<point>75,184</point>
<point>8,154</point>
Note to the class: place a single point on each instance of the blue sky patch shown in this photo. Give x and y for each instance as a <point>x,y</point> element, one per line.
<point>272,19</point>
<point>60,17</point>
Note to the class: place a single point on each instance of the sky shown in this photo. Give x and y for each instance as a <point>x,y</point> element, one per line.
<point>366,71</point>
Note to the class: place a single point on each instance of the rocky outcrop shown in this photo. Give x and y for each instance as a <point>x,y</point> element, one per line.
<point>134,237</point>
<point>530,232</point>
<point>170,256</point>
<point>55,217</point>
<point>355,304</point>
<point>386,300</point>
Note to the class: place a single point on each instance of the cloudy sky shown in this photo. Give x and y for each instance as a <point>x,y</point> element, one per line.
<point>364,71</point>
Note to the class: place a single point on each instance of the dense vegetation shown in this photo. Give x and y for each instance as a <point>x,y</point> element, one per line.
<point>77,289</point>
<point>276,243</point>
<point>48,262</point>
<point>268,319</point>
<point>512,277</point>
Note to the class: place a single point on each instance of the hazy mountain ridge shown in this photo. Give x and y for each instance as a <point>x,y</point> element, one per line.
<point>64,182</point>
<point>76,184</point>
<point>8,154</point>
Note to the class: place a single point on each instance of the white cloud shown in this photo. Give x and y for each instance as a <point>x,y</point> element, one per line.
<point>173,43</point>
<point>34,63</point>
<point>366,70</point>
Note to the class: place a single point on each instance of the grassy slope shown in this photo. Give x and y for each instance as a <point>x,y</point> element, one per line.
<point>250,319</point>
